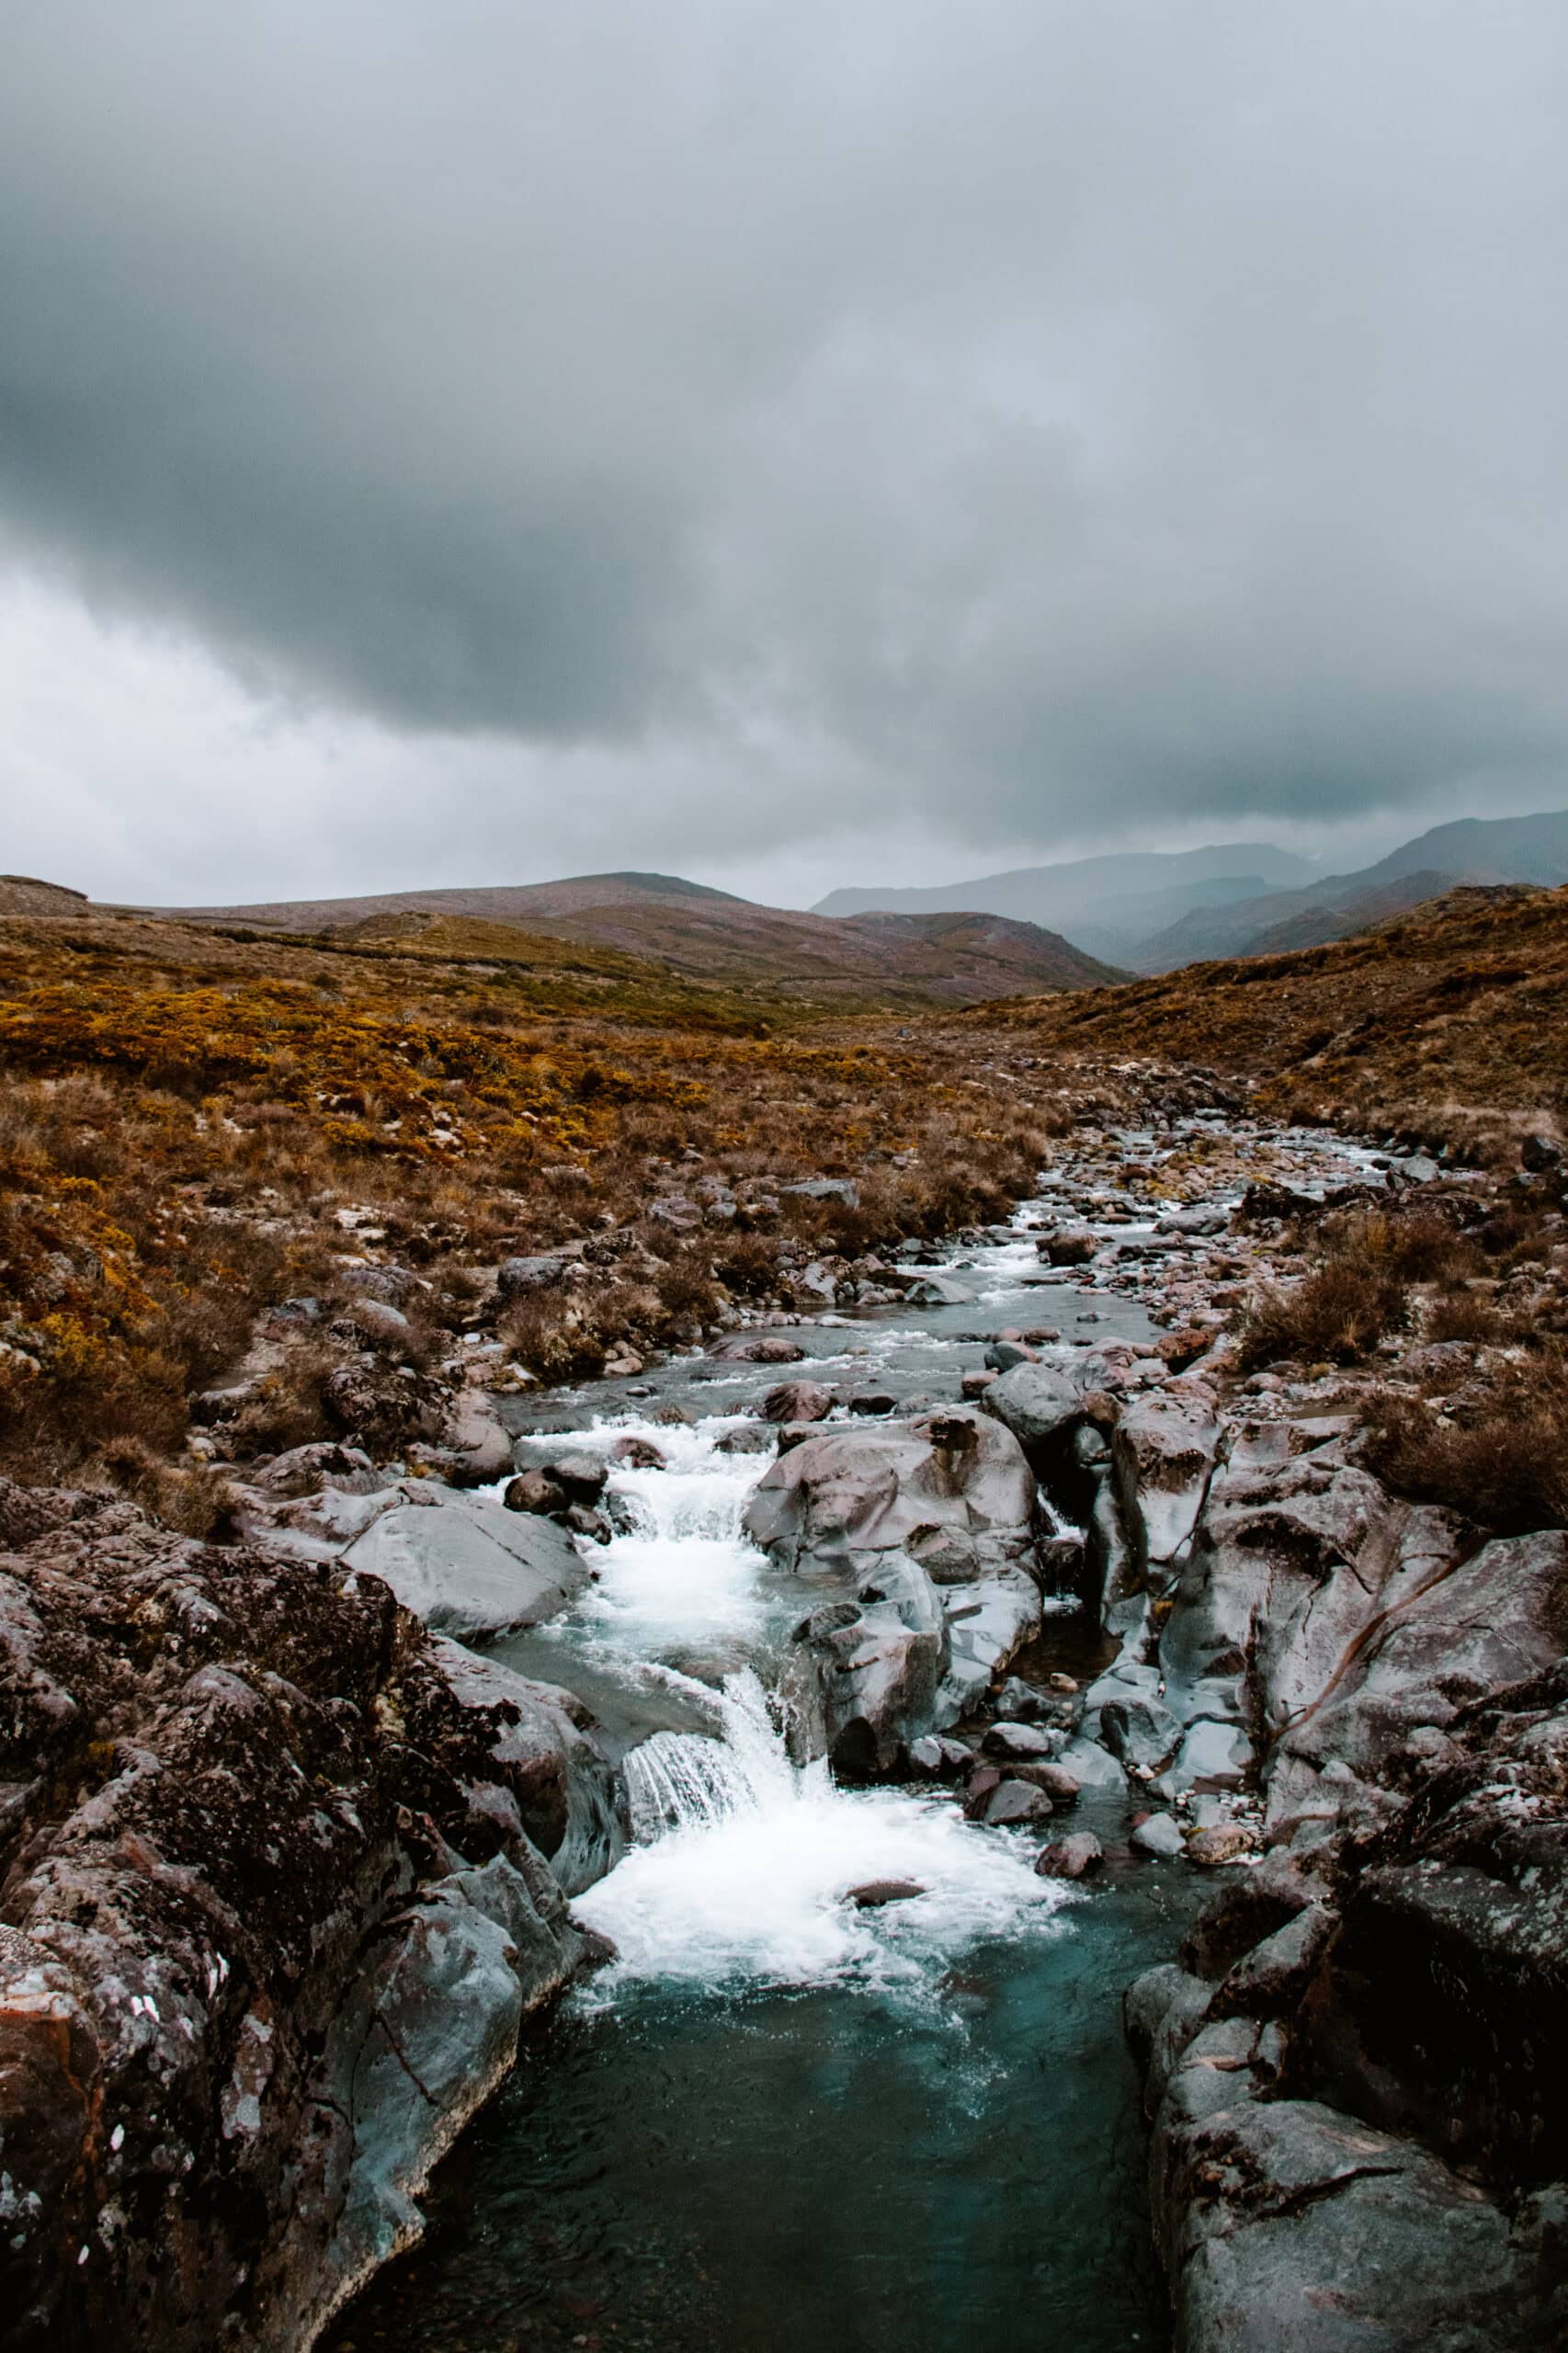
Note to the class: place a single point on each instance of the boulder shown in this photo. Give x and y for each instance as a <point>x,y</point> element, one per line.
<point>797,1401</point>
<point>950,1489</point>
<point>1070,1245</point>
<point>1016,1740</point>
<point>1158,1834</point>
<point>1013,1803</point>
<point>1286,2224</point>
<point>938,1290</point>
<point>770,1347</point>
<point>1070,1857</point>
<point>579,1473</point>
<point>1043,1408</point>
<point>534,1490</point>
<point>516,1277</point>
<point>466,1566</point>
<point>860,1679</point>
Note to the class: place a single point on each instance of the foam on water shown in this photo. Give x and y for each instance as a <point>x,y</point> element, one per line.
<point>744,1875</point>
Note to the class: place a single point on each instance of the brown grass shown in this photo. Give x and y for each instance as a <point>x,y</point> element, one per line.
<point>1502,1458</point>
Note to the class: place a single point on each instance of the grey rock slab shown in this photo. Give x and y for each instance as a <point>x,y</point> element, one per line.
<point>1159,1836</point>
<point>950,1487</point>
<point>1162,1453</point>
<point>466,1566</point>
<point>1289,2226</point>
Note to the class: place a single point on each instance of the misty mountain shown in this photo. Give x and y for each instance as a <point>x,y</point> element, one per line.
<point>1473,849</point>
<point>1109,905</point>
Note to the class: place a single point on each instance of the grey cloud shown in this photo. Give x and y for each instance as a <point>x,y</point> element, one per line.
<point>1029,418</point>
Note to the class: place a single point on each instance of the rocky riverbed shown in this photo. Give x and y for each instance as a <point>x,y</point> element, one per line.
<point>990,1605</point>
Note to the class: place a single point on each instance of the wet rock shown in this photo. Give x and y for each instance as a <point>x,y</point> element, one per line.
<point>938,1290</point>
<point>1285,2222</point>
<point>638,1454</point>
<point>1013,1803</point>
<point>1047,1773</point>
<point>750,1438</point>
<point>1158,1834</point>
<point>941,1759</point>
<point>871,1401</point>
<point>1042,1409</point>
<point>771,1347</point>
<point>797,1401</point>
<point>1222,1842</point>
<point>951,1488</point>
<point>1017,1701</point>
<point>860,1679</point>
<point>1269,1980</point>
<point>1010,1740</point>
<point>534,1490</point>
<point>1070,1245</point>
<point>579,1474</point>
<point>466,1565</point>
<point>875,1893</point>
<point>592,1526</point>
<point>1071,1857</point>
<point>1163,1453</point>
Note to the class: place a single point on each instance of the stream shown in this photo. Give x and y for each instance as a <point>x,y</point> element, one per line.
<point>776,2122</point>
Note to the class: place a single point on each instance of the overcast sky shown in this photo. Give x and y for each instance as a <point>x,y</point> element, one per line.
<point>787,442</point>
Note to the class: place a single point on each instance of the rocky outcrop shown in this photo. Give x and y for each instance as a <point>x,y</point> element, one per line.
<point>950,1489</point>
<point>1353,2141</point>
<point>924,1533</point>
<point>277,1895</point>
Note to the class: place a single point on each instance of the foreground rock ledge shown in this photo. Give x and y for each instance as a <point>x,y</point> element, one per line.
<point>277,1896</point>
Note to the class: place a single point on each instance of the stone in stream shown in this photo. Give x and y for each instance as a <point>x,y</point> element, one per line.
<point>938,1290</point>
<point>874,1893</point>
<point>1017,1701</point>
<point>1060,1787</point>
<point>751,1438</point>
<point>534,1490</point>
<point>1070,1857</point>
<point>1070,1245</point>
<point>797,1401</point>
<point>1014,1801</point>
<point>951,1488</point>
<point>1221,1843</point>
<point>1010,1740</point>
<point>638,1454</point>
<point>942,1759</point>
<point>580,1474</point>
<point>771,1348</point>
<point>1158,1834</point>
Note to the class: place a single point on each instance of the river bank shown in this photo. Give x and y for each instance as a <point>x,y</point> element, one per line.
<point>1014,1480</point>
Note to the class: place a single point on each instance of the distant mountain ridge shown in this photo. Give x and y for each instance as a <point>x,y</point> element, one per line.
<point>1154,911</point>
<point>1469,850</point>
<point>708,934</point>
<point>1106,904</point>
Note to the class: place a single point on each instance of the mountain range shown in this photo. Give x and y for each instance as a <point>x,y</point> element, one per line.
<point>1152,913</point>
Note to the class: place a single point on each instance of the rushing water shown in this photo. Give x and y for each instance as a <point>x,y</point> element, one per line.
<point>779,2121</point>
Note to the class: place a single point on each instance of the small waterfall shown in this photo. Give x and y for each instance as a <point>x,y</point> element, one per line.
<point>684,1780</point>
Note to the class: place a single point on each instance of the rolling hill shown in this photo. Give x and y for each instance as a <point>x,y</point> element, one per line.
<point>710,936</point>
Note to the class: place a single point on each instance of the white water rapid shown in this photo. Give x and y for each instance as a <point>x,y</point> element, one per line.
<point>745,1866</point>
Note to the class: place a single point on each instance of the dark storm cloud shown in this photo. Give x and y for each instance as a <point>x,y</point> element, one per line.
<point>1028,415</point>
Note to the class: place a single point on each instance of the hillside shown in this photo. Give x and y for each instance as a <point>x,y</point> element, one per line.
<point>1454,1014</point>
<point>1471,851</point>
<point>708,936</point>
